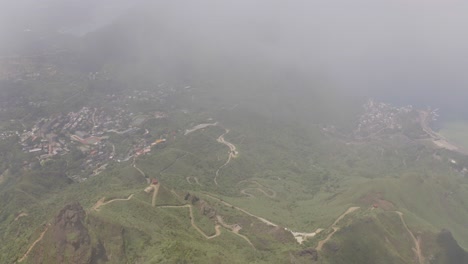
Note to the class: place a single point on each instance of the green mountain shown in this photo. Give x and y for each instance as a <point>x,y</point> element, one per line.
<point>132,152</point>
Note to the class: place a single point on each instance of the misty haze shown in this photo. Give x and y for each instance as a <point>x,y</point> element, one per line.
<point>260,131</point>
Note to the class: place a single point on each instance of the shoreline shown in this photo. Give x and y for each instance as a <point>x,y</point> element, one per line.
<point>436,138</point>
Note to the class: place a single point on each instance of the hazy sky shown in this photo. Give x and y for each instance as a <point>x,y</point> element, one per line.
<point>414,50</point>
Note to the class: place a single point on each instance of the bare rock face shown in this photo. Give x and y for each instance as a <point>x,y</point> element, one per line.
<point>310,253</point>
<point>67,239</point>
<point>207,210</point>
<point>191,198</point>
<point>201,205</point>
<point>71,237</point>
<point>451,251</point>
<point>74,237</point>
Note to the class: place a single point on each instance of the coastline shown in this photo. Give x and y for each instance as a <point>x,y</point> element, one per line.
<point>436,138</point>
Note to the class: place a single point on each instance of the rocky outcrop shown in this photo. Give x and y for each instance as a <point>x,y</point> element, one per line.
<point>309,253</point>
<point>74,237</point>
<point>201,205</point>
<point>207,210</point>
<point>191,198</point>
<point>451,252</point>
<point>69,230</point>
<point>67,239</point>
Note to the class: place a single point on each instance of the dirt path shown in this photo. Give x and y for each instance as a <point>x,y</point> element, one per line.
<point>33,244</point>
<point>350,210</point>
<point>244,192</point>
<point>139,170</point>
<point>155,194</point>
<point>196,180</point>
<point>192,221</point>
<point>335,228</point>
<point>155,188</point>
<point>234,229</point>
<point>322,242</point>
<point>173,192</point>
<point>174,162</point>
<point>244,211</point>
<point>21,215</point>
<point>200,126</point>
<point>233,153</point>
<point>101,202</point>
<point>233,150</point>
<point>100,169</point>
<point>267,194</point>
<point>417,241</point>
<point>260,188</point>
<point>299,236</point>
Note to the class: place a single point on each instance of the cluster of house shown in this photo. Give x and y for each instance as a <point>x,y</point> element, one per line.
<point>379,116</point>
<point>87,131</point>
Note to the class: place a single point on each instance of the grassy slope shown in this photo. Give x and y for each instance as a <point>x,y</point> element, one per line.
<point>311,191</point>
<point>315,178</point>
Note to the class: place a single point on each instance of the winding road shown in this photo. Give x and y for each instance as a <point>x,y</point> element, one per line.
<point>101,202</point>
<point>33,244</point>
<point>299,236</point>
<point>192,220</point>
<point>335,228</point>
<point>200,126</point>
<point>233,153</point>
<point>139,170</point>
<point>260,188</point>
<point>417,241</point>
<point>194,178</point>
<point>234,229</point>
<point>242,210</point>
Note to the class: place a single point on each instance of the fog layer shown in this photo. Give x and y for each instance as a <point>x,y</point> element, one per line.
<point>400,51</point>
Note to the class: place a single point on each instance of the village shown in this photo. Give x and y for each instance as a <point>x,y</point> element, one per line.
<point>88,131</point>
<point>378,117</point>
<point>110,128</point>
